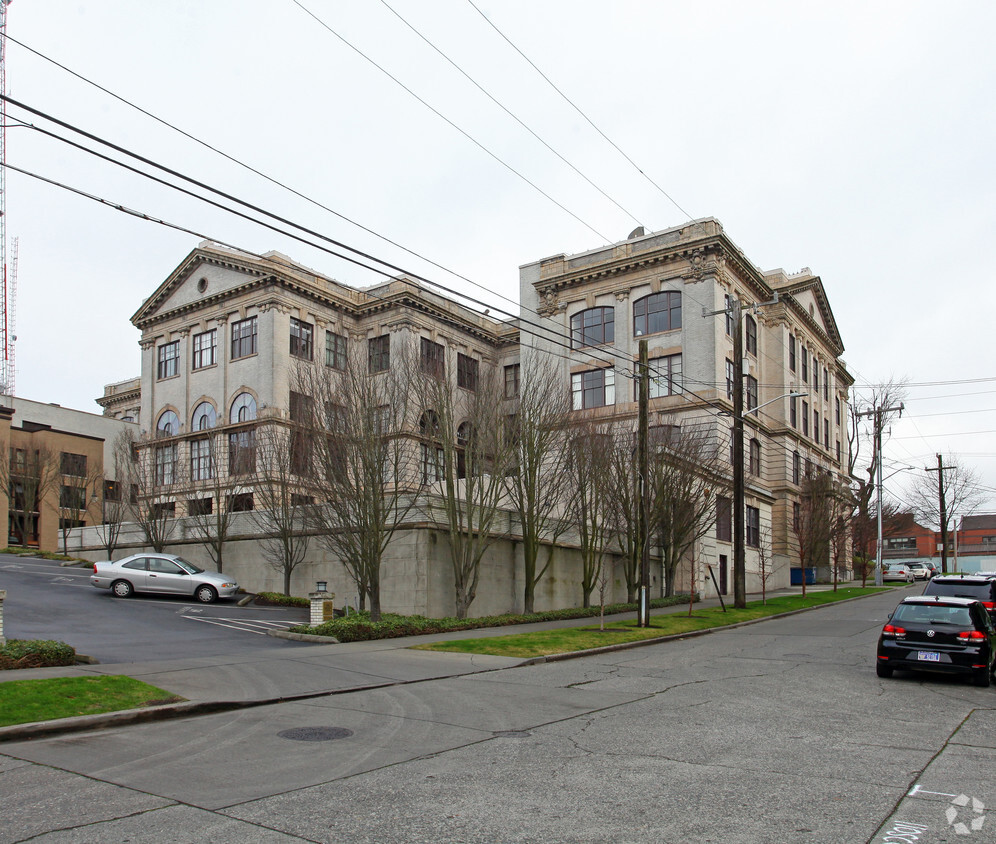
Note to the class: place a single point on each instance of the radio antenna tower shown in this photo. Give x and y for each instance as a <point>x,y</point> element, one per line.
<point>7,288</point>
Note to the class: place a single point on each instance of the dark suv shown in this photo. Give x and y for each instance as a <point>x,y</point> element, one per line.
<point>980,587</point>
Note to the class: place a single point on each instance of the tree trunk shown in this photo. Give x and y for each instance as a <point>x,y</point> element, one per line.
<point>287,579</point>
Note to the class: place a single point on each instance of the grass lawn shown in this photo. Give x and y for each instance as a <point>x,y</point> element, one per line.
<point>24,701</point>
<point>569,639</point>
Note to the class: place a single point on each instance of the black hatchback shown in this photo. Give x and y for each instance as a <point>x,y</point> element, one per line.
<point>946,635</point>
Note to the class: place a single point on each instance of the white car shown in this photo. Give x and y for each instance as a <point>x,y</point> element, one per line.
<point>164,574</point>
<point>897,571</point>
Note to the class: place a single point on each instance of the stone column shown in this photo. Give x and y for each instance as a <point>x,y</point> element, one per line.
<point>322,607</point>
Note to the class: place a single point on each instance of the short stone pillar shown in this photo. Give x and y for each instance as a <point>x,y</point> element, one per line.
<point>322,607</point>
<point>3,594</point>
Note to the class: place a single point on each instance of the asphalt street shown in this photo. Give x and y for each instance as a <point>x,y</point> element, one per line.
<point>775,732</point>
<point>49,601</point>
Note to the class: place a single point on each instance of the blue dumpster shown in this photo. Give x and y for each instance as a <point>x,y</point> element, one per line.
<point>796,576</point>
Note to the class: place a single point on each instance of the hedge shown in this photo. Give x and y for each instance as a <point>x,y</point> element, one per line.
<point>357,627</point>
<point>35,653</point>
<point>278,599</point>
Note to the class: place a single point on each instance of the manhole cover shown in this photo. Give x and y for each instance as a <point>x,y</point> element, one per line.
<point>511,734</point>
<point>315,733</point>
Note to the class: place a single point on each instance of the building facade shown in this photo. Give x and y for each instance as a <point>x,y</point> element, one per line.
<point>225,336</point>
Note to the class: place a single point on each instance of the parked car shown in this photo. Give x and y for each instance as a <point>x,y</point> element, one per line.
<point>897,571</point>
<point>979,587</point>
<point>161,574</point>
<point>933,568</point>
<point>920,571</point>
<point>946,635</point>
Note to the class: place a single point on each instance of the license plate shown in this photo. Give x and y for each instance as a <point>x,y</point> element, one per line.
<point>928,656</point>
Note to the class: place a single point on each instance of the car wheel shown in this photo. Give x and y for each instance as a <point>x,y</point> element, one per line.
<point>883,670</point>
<point>983,678</point>
<point>122,589</point>
<point>206,594</point>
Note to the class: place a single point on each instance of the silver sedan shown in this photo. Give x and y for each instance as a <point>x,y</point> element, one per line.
<point>164,574</point>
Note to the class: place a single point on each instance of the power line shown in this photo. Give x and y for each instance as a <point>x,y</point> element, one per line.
<point>446,120</point>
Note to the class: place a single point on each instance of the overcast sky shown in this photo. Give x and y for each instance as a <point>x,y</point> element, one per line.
<point>852,138</point>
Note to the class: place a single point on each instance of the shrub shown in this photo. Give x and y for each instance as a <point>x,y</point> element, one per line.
<point>357,627</point>
<point>35,653</point>
<point>276,599</point>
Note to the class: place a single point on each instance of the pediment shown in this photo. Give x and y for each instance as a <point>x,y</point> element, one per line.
<point>811,300</point>
<point>204,276</point>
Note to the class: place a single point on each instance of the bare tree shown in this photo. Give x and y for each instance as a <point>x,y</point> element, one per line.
<point>766,568</point>
<point>467,428</point>
<point>537,489</point>
<point>28,478</point>
<point>624,509</point>
<point>590,466</point>
<point>208,507</point>
<point>938,493</point>
<point>281,499</point>
<point>112,514</point>
<point>152,475</point>
<point>841,513</point>
<point>686,471</point>
<point>365,462</point>
<point>81,488</point>
<point>812,522</point>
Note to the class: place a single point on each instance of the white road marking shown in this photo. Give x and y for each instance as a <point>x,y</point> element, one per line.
<point>245,626</point>
<point>913,792</point>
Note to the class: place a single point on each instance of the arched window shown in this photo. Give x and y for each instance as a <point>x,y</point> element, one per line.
<point>657,312</point>
<point>205,416</point>
<point>751,335</point>
<point>168,424</point>
<point>754,463</point>
<point>593,327</point>
<point>243,408</point>
<point>428,425</point>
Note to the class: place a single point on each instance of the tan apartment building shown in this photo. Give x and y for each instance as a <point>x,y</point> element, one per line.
<point>225,334</point>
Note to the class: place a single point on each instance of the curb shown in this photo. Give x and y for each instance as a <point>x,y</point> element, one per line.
<point>302,637</point>
<point>83,723</point>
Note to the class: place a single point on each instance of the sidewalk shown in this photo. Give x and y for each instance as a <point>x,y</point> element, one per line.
<point>279,674</point>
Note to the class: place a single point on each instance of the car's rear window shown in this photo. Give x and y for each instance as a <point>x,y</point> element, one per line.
<point>979,591</point>
<point>933,614</point>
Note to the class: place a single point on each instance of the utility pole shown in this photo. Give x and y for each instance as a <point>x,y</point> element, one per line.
<point>878,413</point>
<point>941,468</point>
<point>734,311</point>
<point>643,461</point>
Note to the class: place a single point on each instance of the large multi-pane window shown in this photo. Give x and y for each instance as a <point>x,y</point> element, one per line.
<point>432,463</point>
<point>826,432</point>
<point>205,416</point>
<point>242,452</point>
<point>168,424</point>
<point>724,519</point>
<point>728,305</point>
<point>302,339</point>
<point>205,349</point>
<point>836,405</point>
<point>816,426</point>
<point>594,388</point>
<point>792,352</point>
<point>432,357</point>
<point>201,468</point>
<point>73,464</point>
<point>750,393</point>
<point>731,379</point>
<point>754,461</point>
<point>665,377</point>
<point>467,372</point>
<point>805,418</point>
<point>244,338</point>
<point>794,411</point>
<point>168,363</point>
<point>335,350</point>
<point>593,327</point>
<point>753,525</point>
<point>243,408</point>
<point>379,353</point>
<point>750,338</point>
<point>657,312</point>
<point>826,384</point>
<point>512,381</point>
<point>165,467</point>
<point>796,467</point>
<point>805,364</point>
<point>816,377</point>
